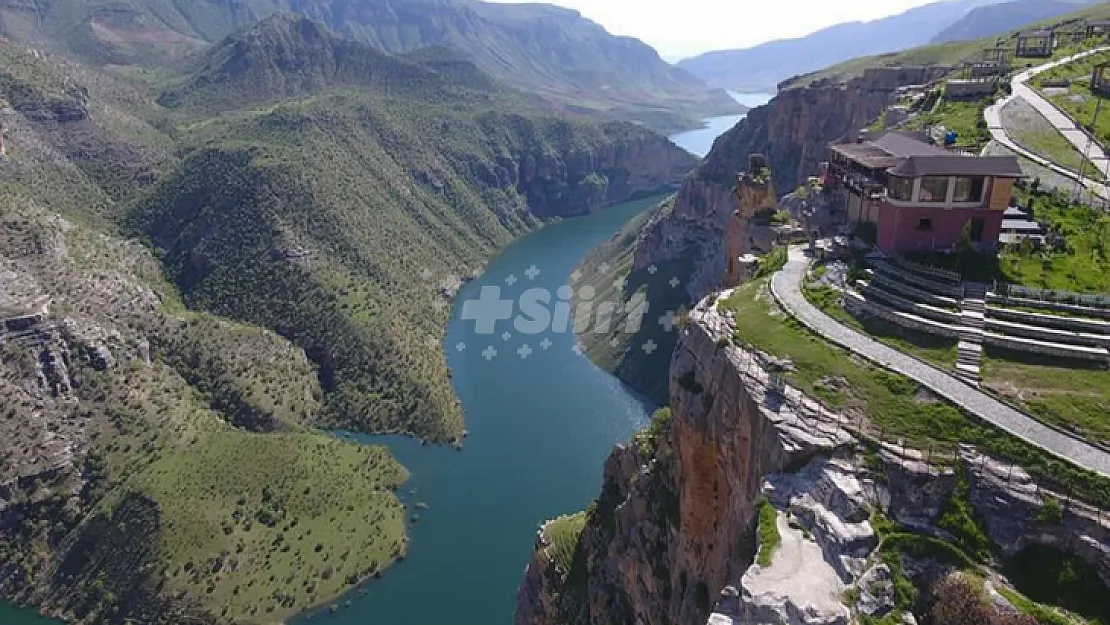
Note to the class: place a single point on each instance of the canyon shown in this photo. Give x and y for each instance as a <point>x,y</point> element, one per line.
<point>671,537</point>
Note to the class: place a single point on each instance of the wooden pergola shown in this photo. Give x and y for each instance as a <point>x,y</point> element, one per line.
<point>1100,80</point>
<point>1035,44</point>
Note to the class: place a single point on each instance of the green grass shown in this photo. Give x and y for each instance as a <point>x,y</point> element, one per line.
<point>887,403</point>
<point>305,517</point>
<point>963,117</point>
<point>1083,266</point>
<point>562,537</point>
<point>957,516</point>
<point>1070,395</point>
<point>769,538</point>
<point>1049,143</point>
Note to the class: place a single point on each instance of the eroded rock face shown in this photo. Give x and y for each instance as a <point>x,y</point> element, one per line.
<point>674,526</point>
<point>670,530</point>
<point>793,131</point>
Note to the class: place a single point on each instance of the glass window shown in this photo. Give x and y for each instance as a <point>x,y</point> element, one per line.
<point>900,188</point>
<point>934,189</point>
<point>925,224</point>
<point>969,189</point>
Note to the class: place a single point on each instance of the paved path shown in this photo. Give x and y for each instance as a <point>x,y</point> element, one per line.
<point>1082,142</point>
<point>787,288</point>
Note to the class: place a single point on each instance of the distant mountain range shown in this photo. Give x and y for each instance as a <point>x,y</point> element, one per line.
<point>991,20</point>
<point>543,49</point>
<point>763,67</point>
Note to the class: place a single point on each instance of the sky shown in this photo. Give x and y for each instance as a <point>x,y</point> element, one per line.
<point>683,28</point>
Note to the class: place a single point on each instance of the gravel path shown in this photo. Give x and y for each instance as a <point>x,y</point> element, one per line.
<point>787,288</point>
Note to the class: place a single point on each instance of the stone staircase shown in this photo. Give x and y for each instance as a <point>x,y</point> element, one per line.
<point>973,311</point>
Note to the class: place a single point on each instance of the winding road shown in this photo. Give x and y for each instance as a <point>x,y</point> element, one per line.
<point>1079,138</point>
<point>786,285</point>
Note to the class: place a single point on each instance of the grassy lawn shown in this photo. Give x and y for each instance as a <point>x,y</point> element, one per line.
<point>965,118</point>
<point>1049,143</point>
<point>1065,394</point>
<point>887,402</point>
<point>1083,266</point>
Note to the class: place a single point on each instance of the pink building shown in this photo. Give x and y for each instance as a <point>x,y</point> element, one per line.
<point>919,196</point>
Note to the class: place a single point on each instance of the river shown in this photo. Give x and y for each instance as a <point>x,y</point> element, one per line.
<point>540,428</point>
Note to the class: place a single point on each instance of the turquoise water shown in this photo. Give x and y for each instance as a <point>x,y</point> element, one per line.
<point>10,615</point>
<point>700,140</point>
<point>540,428</point>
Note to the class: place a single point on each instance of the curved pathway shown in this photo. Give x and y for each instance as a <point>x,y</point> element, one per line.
<point>1082,141</point>
<point>786,285</point>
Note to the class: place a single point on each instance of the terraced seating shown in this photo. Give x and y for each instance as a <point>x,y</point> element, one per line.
<point>857,303</point>
<point>1054,335</point>
<point>1047,348</point>
<point>922,310</point>
<point>925,270</point>
<point>1038,304</point>
<point>938,288</point>
<point>906,290</point>
<point>1047,320</point>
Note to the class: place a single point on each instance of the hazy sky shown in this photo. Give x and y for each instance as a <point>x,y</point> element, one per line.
<point>681,28</point>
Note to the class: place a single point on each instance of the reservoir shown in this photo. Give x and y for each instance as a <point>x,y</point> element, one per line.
<point>541,418</point>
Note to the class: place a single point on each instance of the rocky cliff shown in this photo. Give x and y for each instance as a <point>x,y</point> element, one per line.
<point>793,131</point>
<point>673,525</point>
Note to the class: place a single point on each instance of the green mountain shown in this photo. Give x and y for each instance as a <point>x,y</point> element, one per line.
<point>194,280</point>
<point>543,49</point>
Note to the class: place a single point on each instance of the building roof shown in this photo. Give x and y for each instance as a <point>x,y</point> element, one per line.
<point>1033,34</point>
<point>910,155</point>
<point>1098,23</point>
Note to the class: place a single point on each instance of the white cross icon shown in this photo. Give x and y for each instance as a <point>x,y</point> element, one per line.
<point>506,336</point>
<point>489,353</point>
<point>576,276</point>
<point>668,321</point>
<point>652,269</point>
<point>649,347</point>
<point>674,282</point>
<point>524,351</point>
<point>614,342</point>
<point>546,343</point>
<point>532,272</point>
<point>460,346</point>
<point>604,268</point>
<point>511,280</point>
<point>577,349</point>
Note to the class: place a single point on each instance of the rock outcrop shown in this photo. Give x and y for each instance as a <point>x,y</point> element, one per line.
<point>793,131</point>
<point>674,524</point>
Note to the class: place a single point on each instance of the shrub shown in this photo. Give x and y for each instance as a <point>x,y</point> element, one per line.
<point>769,538</point>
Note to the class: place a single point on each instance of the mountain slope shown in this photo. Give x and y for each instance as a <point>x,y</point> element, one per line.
<point>992,20</point>
<point>163,464</point>
<point>323,216</point>
<point>761,68</point>
<point>543,49</point>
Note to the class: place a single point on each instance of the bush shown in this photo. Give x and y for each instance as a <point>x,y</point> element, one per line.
<point>769,538</point>
<point>958,600</point>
